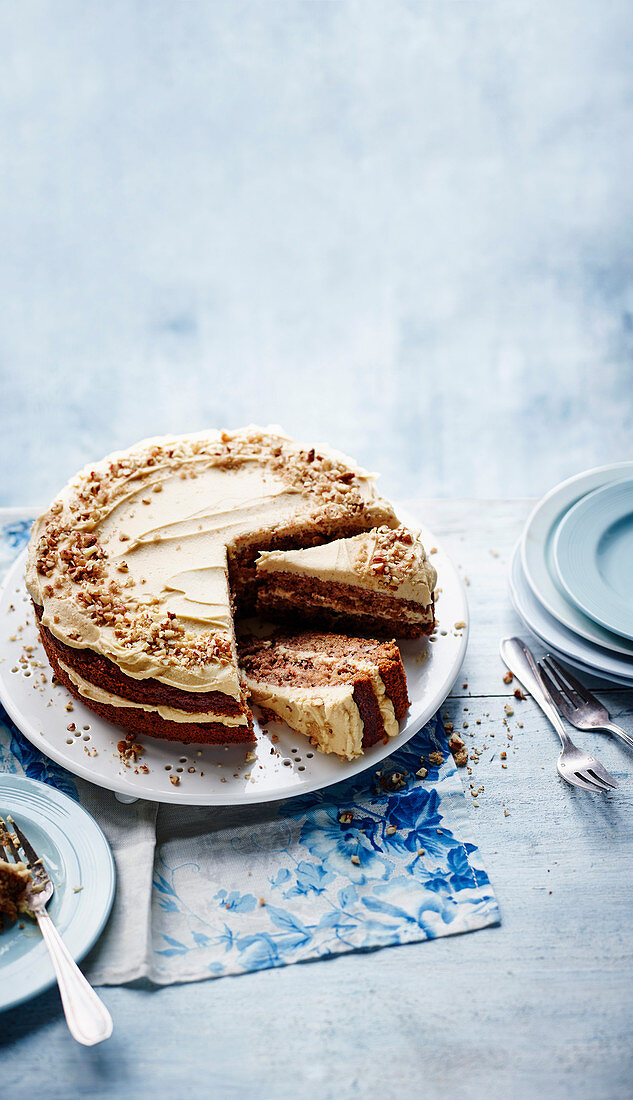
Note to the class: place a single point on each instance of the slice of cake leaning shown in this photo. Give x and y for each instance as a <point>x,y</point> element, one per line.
<point>379,582</point>
<point>344,693</point>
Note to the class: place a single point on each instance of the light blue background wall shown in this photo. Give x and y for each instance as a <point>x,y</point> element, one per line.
<point>403,227</point>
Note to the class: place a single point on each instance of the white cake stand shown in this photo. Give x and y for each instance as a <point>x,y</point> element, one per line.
<point>281,764</point>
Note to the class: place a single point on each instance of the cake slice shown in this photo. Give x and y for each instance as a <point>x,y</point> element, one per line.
<point>379,582</point>
<point>344,693</point>
<point>14,879</point>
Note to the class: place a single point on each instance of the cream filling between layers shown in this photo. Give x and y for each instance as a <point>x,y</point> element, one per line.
<point>336,561</point>
<point>327,715</point>
<point>407,614</point>
<point>170,714</point>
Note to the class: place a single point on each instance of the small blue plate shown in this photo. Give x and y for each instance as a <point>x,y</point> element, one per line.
<point>593,554</point>
<point>78,859</point>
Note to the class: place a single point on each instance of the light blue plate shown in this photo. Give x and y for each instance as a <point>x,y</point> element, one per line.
<point>77,856</point>
<point>593,554</point>
<point>537,557</point>
<point>591,659</point>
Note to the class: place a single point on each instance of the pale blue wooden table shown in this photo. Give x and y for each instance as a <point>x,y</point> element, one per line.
<point>541,1006</point>
<point>405,229</point>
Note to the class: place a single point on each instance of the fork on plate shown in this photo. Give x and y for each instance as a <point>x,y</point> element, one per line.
<point>86,1015</point>
<point>579,706</point>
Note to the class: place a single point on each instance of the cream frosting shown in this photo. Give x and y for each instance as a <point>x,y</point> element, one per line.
<point>385,705</point>
<point>170,714</point>
<point>360,561</point>
<point>327,715</point>
<point>130,561</point>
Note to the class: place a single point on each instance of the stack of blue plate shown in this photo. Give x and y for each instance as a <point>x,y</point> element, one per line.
<point>571,578</point>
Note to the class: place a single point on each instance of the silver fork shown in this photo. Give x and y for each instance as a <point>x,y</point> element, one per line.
<point>579,706</point>
<point>86,1015</point>
<point>578,768</point>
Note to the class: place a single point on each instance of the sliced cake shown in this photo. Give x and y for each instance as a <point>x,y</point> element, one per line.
<point>380,582</point>
<point>344,693</point>
<point>137,568</point>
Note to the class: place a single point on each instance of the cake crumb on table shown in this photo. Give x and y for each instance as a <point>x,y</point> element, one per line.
<point>458,749</point>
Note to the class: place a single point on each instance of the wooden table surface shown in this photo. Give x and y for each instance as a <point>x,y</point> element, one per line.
<point>540,1006</point>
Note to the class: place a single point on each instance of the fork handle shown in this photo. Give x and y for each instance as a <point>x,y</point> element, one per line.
<point>87,1017</point>
<point>618,732</point>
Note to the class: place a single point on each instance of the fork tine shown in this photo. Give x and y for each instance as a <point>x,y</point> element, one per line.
<point>552,687</point>
<point>554,676</point>
<point>573,688</point>
<point>591,778</point>
<point>576,780</point>
<point>8,840</point>
<point>602,774</point>
<point>26,846</point>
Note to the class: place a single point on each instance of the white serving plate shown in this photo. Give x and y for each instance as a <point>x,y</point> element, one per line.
<point>285,763</point>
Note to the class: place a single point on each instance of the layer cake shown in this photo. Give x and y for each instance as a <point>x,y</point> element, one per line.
<point>139,566</point>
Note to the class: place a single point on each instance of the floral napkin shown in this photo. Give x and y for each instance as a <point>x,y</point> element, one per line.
<point>381,859</point>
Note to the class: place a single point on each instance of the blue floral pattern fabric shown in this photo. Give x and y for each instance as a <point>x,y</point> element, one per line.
<point>357,866</point>
<point>381,859</point>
